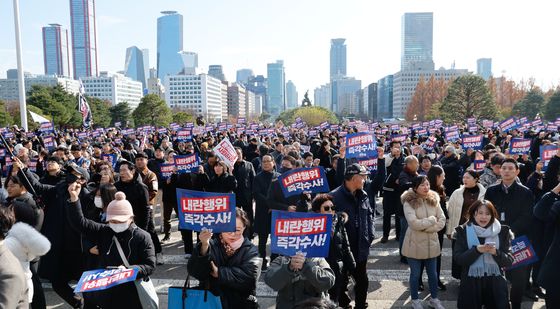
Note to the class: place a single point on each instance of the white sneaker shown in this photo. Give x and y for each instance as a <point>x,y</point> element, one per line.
<point>435,303</point>
<point>417,304</point>
<point>159,259</point>
<point>187,256</point>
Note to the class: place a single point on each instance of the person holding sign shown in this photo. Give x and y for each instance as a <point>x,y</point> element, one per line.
<point>483,249</point>
<point>228,264</point>
<point>135,242</point>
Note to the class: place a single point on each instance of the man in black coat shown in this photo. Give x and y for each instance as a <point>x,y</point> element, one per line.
<point>394,163</point>
<point>136,192</point>
<point>244,174</point>
<point>453,170</point>
<point>276,198</point>
<point>514,203</point>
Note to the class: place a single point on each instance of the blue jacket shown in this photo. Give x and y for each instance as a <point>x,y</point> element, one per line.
<point>360,224</point>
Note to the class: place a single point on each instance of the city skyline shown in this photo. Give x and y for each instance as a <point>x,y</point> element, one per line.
<point>264,38</point>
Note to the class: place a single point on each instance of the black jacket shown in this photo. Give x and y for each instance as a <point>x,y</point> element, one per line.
<point>277,200</point>
<point>514,207</point>
<point>470,288</point>
<point>261,186</point>
<point>237,275</point>
<point>225,183</point>
<point>137,194</point>
<point>244,173</point>
<point>548,210</point>
<point>340,256</point>
<point>550,179</point>
<point>453,173</point>
<point>137,246</point>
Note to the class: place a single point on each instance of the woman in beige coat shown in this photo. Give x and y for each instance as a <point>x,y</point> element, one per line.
<point>425,218</point>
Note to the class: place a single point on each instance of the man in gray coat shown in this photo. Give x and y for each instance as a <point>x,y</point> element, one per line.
<point>13,286</point>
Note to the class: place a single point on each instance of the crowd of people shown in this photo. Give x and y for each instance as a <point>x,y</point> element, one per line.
<point>69,207</point>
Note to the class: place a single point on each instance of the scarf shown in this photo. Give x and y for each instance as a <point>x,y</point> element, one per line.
<point>485,265</point>
<point>233,247</point>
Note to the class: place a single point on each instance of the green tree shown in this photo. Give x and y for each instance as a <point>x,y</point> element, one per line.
<point>530,105</point>
<point>264,116</point>
<point>152,110</point>
<point>120,113</point>
<point>100,112</point>
<point>182,117</point>
<point>468,96</point>
<point>5,117</point>
<point>552,108</point>
<point>312,115</point>
<point>31,125</point>
<point>56,102</point>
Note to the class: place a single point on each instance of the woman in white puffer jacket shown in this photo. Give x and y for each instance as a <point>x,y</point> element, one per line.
<point>26,244</point>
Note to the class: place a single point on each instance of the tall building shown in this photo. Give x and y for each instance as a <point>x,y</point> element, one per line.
<point>371,101</point>
<point>417,41</point>
<point>276,88</point>
<point>338,58</point>
<point>484,68</point>
<point>84,38</point>
<point>405,82</point>
<point>154,84</point>
<point>257,85</point>
<point>343,92</point>
<point>169,44</point>
<point>243,76</point>
<point>56,51</point>
<point>385,98</point>
<point>291,95</point>
<point>190,62</point>
<point>200,94</point>
<point>13,74</point>
<point>217,71</point>
<point>114,88</point>
<point>237,100</point>
<point>136,65</point>
<point>322,96</point>
<point>9,90</point>
<point>250,104</point>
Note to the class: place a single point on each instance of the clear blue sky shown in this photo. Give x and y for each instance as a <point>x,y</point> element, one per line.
<point>520,36</point>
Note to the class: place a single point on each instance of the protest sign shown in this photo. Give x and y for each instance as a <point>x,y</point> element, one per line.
<point>206,210</point>
<point>111,158</point>
<point>187,163</point>
<point>166,170</point>
<point>547,153</point>
<point>399,138</point>
<point>48,141</point>
<point>32,165</point>
<point>360,145</point>
<point>2,152</point>
<point>46,127</point>
<point>479,165</point>
<point>452,136</point>
<point>118,124</point>
<point>226,152</point>
<point>304,180</point>
<point>293,232</point>
<point>523,252</point>
<point>102,279</point>
<point>184,135</point>
<point>508,124</point>
<point>370,164</point>
<point>472,141</point>
<point>430,143</point>
<point>520,146</point>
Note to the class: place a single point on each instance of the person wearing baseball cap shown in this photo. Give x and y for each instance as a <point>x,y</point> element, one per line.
<point>351,198</point>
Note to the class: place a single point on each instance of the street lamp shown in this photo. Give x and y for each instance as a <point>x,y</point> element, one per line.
<point>21,82</point>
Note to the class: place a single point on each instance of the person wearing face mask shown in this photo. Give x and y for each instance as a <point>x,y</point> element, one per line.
<point>64,262</point>
<point>135,243</point>
<point>276,198</point>
<point>228,264</point>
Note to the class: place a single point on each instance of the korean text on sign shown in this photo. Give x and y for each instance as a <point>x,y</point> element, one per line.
<point>102,279</point>
<point>547,152</point>
<point>187,163</point>
<point>520,146</point>
<point>304,180</point>
<point>206,210</point>
<point>522,251</point>
<point>166,170</point>
<point>360,145</point>
<point>472,141</point>
<point>294,232</point>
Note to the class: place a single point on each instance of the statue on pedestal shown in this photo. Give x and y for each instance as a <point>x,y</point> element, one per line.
<point>306,102</point>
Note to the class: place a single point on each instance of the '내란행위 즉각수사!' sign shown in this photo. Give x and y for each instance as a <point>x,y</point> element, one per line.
<point>206,210</point>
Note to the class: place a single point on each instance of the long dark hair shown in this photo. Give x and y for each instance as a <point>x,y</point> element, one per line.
<point>433,173</point>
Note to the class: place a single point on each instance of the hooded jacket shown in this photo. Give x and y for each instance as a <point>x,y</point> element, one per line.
<point>425,218</point>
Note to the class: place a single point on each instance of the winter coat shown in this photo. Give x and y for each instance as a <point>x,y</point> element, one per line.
<point>225,183</point>
<point>455,206</point>
<point>261,186</point>
<point>150,179</point>
<point>277,200</point>
<point>514,208</point>
<point>13,287</point>
<point>470,288</point>
<point>313,280</point>
<point>237,275</point>
<point>26,244</point>
<point>550,179</point>
<point>548,210</point>
<point>137,246</point>
<point>360,226</point>
<point>340,256</point>
<point>137,194</point>
<point>425,218</point>
<point>488,177</point>
<point>453,173</point>
<point>244,174</point>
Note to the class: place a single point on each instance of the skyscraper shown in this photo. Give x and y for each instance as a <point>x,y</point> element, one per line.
<point>276,88</point>
<point>84,38</point>
<point>291,95</point>
<point>243,76</point>
<point>338,58</point>
<point>190,62</point>
<point>417,41</point>
<point>136,66</point>
<point>484,68</point>
<point>56,50</point>
<point>385,97</point>
<point>216,70</point>
<point>169,44</point>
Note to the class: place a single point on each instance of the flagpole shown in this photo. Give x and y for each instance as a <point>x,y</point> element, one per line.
<point>21,81</point>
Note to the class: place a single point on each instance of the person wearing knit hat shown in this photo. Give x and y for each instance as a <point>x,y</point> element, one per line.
<point>119,213</point>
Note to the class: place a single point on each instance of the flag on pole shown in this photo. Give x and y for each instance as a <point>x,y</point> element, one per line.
<point>83,107</point>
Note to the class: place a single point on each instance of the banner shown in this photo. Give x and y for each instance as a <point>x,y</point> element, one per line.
<point>102,279</point>
<point>547,152</point>
<point>294,232</point>
<point>187,163</point>
<point>508,124</point>
<point>523,253</point>
<point>473,142</point>
<point>206,210</point>
<point>370,164</point>
<point>360,145</point>
<point>111,158</point>
<point>184,135</point>
<point>520,146</point>
<point>399,138</point>
<point>166,170</point>
<point>479,165</point>
<point>226,152</point>
<point>304,180</point>
<point>48,141</point>
<point>452,136</point>
<point>430,143</point>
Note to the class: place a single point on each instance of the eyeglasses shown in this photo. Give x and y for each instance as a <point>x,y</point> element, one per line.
<point>328,208</point>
